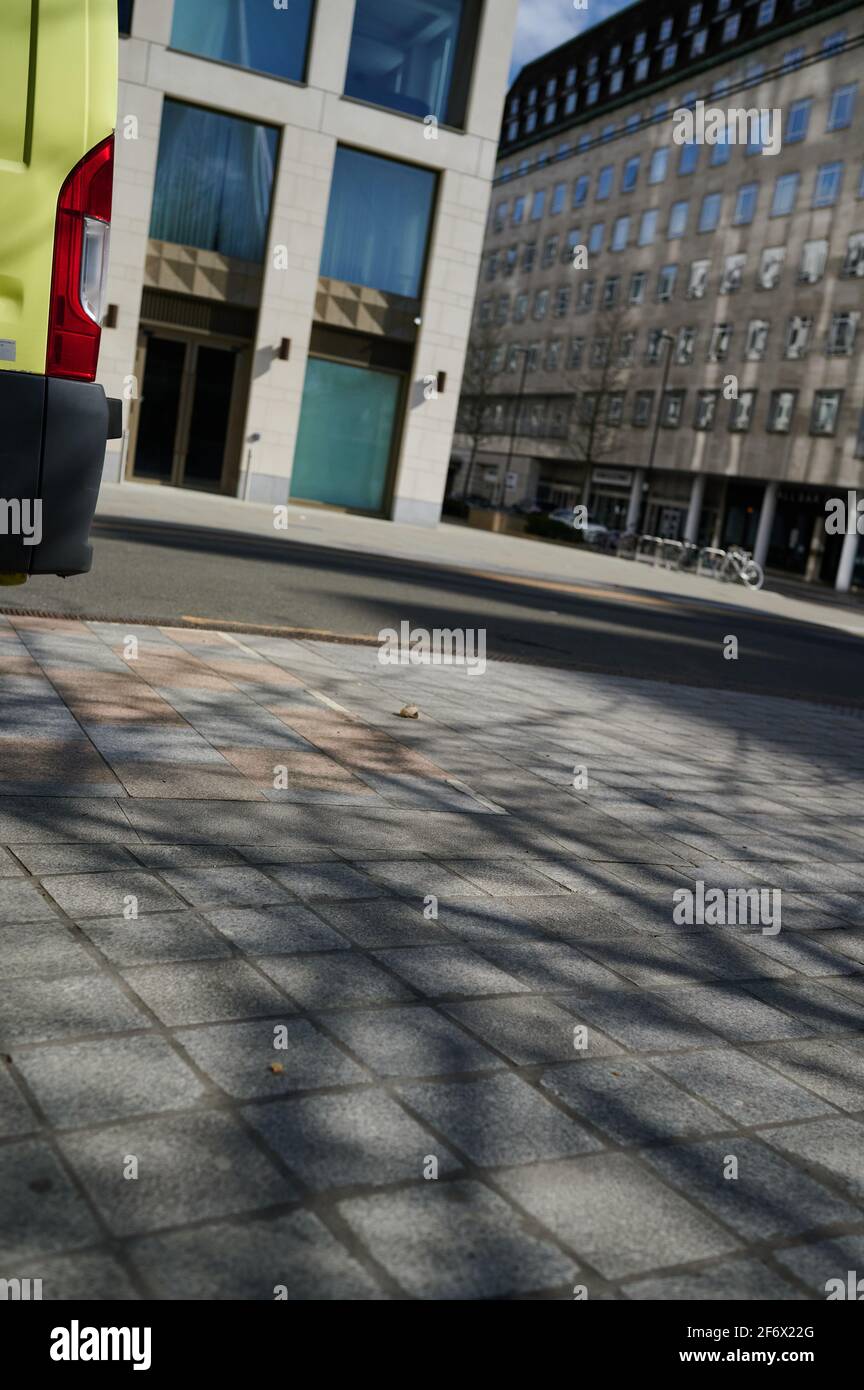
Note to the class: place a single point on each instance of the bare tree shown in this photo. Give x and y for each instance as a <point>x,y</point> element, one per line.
<point>476,418</point>
<point>597,382</point>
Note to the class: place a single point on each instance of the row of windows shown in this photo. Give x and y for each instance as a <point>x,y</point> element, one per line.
<point>811,268</point>
<point>798,336</point>
<point>696,15</point>
<point>753,73</point>
<point>551,202</point>
<point>553,417</point>
<point>556,103</point>
<point>420,66</point>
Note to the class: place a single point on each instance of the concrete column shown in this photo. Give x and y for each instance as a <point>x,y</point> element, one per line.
<point>694,511</point>
<point>766,523</point>
<point>635,502</point>
<point>848,556</point>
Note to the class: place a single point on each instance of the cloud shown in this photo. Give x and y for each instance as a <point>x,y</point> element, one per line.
<point>544,24</point>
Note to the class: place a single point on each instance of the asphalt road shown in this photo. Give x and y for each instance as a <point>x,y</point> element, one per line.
<point>158,572</point>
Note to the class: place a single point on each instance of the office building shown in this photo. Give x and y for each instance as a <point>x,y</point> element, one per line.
<point>301,191</point>
<point>713,313</point>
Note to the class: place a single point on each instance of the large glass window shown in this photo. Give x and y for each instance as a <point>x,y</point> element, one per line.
<point>377,223</point>
<point>246,33</point>
<point>345,435</point>
<point>414,57</point>
<point>214,177</point>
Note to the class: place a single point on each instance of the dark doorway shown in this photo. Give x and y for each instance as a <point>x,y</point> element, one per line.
<point>211,405</point>
<point>160,408</point>
<point>187,417</point>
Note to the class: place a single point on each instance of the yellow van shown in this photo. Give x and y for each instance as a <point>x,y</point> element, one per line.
<point>58,80</point>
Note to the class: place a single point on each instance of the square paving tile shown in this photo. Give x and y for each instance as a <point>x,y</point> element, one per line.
<point>242,886</point>
<point>93,1082</point>
<point>455,1241</point>
<point>240,1058</point>
<point>41,1210</point>
<point>498,1120</point>
<point>16,1116</point>
<point>167,936</point>
<point>737,1015</point>
<point>441,972</point>
<point>528,1029</point>
<point>253,1259</point>
<point>741,1087</point>
<point>336,981</point>
<point>190,1168</point>
<point>41,948</point>
<point>337,881</point>
<point>410,1042</point>
<point>834,1144</point>
<point>21,901</point>
<point>206,991</point>
<point>382,923</point>
<point>770,1197</point>
<point>39,1010</point>
<point>74,859</point>
<point>281,929</point>
<point>615,1215</point>
<point>111,894</point>
<point>628,1101</point>
<point>832,1068</point>
<point>362,1137</point>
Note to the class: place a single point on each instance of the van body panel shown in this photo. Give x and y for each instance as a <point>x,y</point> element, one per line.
<point>58,77</point>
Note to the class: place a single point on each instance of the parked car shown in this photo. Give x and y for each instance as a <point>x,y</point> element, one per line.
<point>592,531</point>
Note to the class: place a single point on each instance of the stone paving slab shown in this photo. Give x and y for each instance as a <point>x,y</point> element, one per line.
<point>386,1009</point>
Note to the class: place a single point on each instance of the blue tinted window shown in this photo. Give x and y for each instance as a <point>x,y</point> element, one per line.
<point>657,167</point>
<point>689,158</point>
<point>377,223</point>
<point>406,56</point>
<point>604,182</point>
<point>720,152</point>
<point>709,214</point>
<point>214,177</point>
<point>580,190</point>
<point>842,107</point>
<point>246,33</point>
<point>124,16</point>
<point>631,174</point>
<point>677,220</point>
<point>798,120</point>
<point>648,227</point>
<point>828,180</point>
<point>785,193</point>
<point>595,238</point>
<point>745,204</point>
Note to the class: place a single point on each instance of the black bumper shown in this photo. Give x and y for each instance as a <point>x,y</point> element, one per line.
<point>52,449</point>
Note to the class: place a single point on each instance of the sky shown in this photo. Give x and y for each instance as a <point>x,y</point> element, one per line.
<point>543,24</point>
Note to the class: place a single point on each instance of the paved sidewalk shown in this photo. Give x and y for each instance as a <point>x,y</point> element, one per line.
<point>272,956</point>
<point>471,549</point>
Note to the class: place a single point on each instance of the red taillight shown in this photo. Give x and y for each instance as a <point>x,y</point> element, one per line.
<point>80,266</point>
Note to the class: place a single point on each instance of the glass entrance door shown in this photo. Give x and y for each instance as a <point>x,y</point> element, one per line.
<point>183,413</point>
<point>345,437</point>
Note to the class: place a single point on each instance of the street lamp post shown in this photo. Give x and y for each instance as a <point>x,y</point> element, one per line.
<point>524,351</point>
<point>646,485</point>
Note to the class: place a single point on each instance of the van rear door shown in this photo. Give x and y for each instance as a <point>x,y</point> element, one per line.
<point>58,96</point>
<point>58,99</point>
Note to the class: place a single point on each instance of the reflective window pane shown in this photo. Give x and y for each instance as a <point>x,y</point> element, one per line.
<point>407,57</point>
<point>377,223</point>
<point>246,33</point>
<point>214,177</point>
